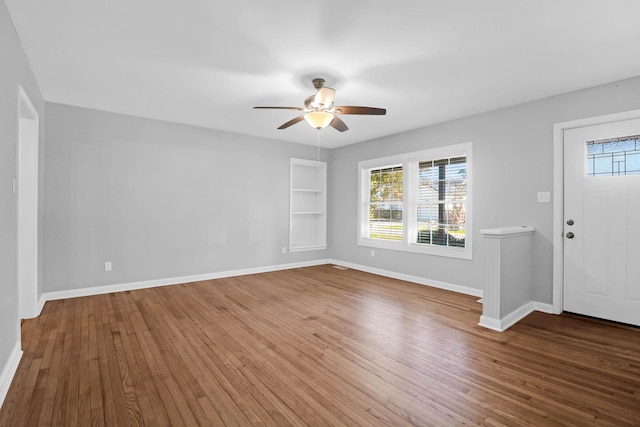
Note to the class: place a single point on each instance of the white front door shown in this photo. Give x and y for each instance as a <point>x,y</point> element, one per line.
<point>602,221</point>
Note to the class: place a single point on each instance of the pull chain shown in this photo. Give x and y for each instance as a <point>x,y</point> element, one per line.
<point>318,144</point>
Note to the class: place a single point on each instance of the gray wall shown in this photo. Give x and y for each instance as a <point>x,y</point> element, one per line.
<point>513,160</point>
<point>163,200</point>
<point>14,70</point>
<point>160,200</point>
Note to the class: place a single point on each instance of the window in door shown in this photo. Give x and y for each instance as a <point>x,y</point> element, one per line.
<point>614,156</point>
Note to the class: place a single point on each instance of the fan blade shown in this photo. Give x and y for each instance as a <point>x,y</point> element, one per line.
<point>282,108</point>
<point>292,122</point>
<point>338,124</point>
<point>360,110</point>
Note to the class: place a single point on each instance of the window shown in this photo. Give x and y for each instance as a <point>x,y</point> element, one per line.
<point>385,203</point>
<point>418,202</point>
<point>615,156</point>
<point>442,192</point>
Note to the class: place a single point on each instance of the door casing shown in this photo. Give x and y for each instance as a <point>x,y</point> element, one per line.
<point>558,194</point>
<point>28,127</point>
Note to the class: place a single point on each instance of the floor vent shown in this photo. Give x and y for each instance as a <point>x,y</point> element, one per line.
<point>340,267</point>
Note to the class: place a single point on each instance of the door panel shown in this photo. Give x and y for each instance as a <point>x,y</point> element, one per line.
<point>602,200</point>
<point>596,219</point>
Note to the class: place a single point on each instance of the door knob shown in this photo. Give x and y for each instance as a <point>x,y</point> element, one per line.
<point>570,222</point>
<point>570,235</point>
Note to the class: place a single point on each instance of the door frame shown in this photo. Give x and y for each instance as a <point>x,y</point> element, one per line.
<point>558,194</point>
<point>27,292</point>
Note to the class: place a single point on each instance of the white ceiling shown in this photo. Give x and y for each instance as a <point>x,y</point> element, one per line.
<point>208,62</point>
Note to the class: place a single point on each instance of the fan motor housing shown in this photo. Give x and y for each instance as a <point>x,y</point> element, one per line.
<point>318,82</point>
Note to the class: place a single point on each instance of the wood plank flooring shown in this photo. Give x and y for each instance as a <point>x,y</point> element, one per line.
<point>316,346</point>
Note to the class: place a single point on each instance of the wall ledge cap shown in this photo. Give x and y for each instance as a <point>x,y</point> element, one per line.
<point>505,231</point>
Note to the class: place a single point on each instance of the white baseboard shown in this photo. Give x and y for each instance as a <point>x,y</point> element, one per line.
<point>41,301</point>
<point>9,371</point>
<point>544,308</point>
<point>489,323</point>
<point>515,316</point>
<point>107,289</point>
<point>507,321</point>
<point>409,278</point>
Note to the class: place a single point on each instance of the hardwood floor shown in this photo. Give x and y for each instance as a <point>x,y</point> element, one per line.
<point>316,346</point>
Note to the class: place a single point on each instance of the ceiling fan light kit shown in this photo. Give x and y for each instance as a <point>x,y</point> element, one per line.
<point>320,111</point>
<point>318,119</point>
<point>324,98</point>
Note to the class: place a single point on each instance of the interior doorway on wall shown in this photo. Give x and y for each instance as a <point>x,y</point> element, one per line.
<point>26,189</point>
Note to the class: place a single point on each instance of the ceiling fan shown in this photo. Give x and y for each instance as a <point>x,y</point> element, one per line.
<point>320,111</point>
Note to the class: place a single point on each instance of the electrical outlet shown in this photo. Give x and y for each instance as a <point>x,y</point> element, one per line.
<point>373,252</point>
<point>284,249</point>
<point>107,266</point>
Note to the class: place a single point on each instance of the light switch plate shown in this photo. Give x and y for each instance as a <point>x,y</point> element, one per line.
<point>544,197</point>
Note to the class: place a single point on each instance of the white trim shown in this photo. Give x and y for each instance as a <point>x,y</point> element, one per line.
<point>41,302</point>
<point>509,320</point>
<point>543,307</point>
<point>98,290</point>
<point>558,194</point>
<point>490,323</point>
<point>414,279</point>
<point>515,316</point>
<point>9,371</point>
<point>507,231</point>
<point>27,296</point>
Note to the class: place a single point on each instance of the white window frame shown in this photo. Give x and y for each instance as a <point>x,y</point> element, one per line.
<point>409,162</point>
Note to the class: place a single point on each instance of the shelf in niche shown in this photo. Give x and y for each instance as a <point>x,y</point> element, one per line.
<point>307,248</point>
<point>308,205</point>
<point>307,190</point>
